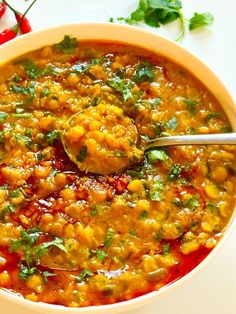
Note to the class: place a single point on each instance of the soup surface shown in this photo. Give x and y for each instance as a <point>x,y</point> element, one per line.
<point>80,239</point>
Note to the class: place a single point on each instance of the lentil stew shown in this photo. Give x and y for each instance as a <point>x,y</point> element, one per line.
<point>80,239</point>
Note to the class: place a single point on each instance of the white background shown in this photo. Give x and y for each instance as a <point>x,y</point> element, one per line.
<point>213,289</point>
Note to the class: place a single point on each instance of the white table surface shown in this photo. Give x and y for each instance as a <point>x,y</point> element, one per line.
<point>213,290</point>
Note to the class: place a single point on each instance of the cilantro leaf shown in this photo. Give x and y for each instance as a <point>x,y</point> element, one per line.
<point>47,274</point>
<point>100,255</point>
<point>193,201</point>
<point>143,215</point>
<point>85,274</point>
<point>67,45</point>
<point>172,124</point>
<point>44,248</point>
<point>132,233</point>
<point>157,154</point>
<point>213,115</point>
<point>191,105</point>
<point>28,238</point>
<point>31,69</point>
<point>121,87</point>
<point>166,249</point>
<point>155,193</point>
<point>109,237</point>
<point>15,193</point>
<point>3,116</point>
<point>144,73</point>
<point>175,172</point>
<point>7,211</point>
<point>26,271</point>
<point>82,153</point>
<point>24,90</point>
<point>94,210</point>
<point>52,136</point>
<point>200,20</point>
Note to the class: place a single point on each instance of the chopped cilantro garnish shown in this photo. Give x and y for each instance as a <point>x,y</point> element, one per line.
<point>211,207</point>
<point>157,154</point>
<point>45,92</point>
<point>226,129</point>
<point>192,202</point>
<point>172,124</point>
<point>100,255</point>
<point>143,215</point>
<point>15,193</point>
<point>40,156</point>
<point>53,173</point>
<point>3,116</point>
<point>51,70</point>
<point>52,137</point>
<point>23,115</point>
<point>24,139</point>
<point>158,236</point>
<point>135,174</point>
<point>31,69</point>
<point>4,187</point>
<point>67,45</point>
<point>84,275</point>
<point>9,209</point>
<point>191,130</point>
<point>175,172</point>
<point>177,202</point>
<point>194,224</point>
<point>17,78</point>
<point>28,238</point>
<point>121,86</point>
<point>47,274</point>
<point>155,193</point>
<point>191,105</point>
<point>213,115</point>
<point>26,271</point>
<point>82,153</point>
<point>109,237</point>
<point>166,249</point>
<point>20,89</point>
<point>144,73</point>
<point>132,233</point>
<point>94,210</point>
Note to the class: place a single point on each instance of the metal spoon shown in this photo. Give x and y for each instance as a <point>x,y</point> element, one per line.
<point>206,139</point>
<point>100,157</point>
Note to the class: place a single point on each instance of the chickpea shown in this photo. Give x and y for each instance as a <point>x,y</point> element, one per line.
<point>35,282</point>
<point>5,279</point>
<point>219,174</point>
<point>135,186</point>
<point>212,191</point>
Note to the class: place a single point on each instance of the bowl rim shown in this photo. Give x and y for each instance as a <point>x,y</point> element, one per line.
<point>185,53</point>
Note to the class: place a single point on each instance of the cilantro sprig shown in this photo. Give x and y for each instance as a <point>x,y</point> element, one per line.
<point>160,12</point>
<point>67,45</point>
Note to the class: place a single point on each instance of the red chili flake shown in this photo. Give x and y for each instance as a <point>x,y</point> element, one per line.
<point>119,183</point>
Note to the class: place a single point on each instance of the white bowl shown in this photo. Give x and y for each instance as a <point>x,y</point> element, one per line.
<point>159,45</point>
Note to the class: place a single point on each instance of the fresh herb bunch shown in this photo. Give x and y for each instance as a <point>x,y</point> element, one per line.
<point>160,12</point>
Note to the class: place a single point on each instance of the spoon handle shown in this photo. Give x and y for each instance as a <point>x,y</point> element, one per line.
<point>206,139</point>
